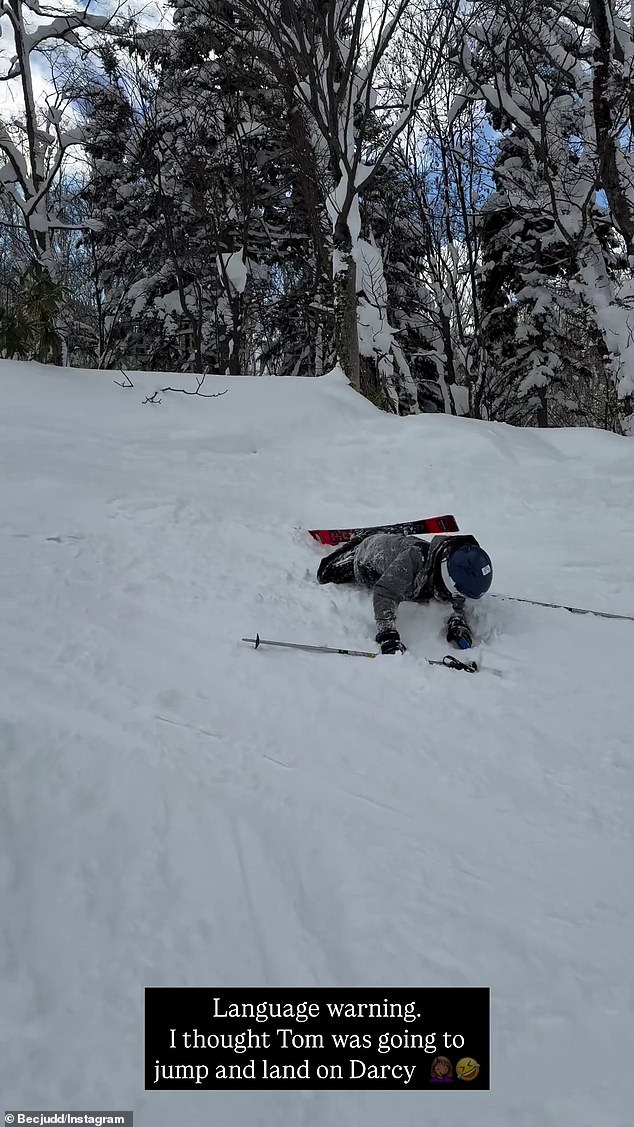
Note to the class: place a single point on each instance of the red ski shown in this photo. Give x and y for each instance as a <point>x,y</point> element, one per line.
<point>432,525</point>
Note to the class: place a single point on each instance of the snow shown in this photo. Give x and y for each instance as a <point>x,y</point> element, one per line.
<point>39,220</point>
<point>458,104</point>
<point>234,266</point>
<point>375,333</point>
<point>170,303</point>
<point>179,810</point>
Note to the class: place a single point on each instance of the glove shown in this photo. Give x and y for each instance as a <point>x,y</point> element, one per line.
<point>390,642</point>
<point>459,633</point>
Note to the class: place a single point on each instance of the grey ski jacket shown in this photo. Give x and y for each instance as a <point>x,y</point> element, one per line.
<point>402,568</point>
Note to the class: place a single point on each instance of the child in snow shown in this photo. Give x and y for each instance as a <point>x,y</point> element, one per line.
<point>397,567</point>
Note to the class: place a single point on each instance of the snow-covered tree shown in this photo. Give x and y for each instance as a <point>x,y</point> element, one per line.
<point>201,183</point>
<point>558,77</point>
<point>32,143</point>
<point>327,55</point>
<point>36,136</point>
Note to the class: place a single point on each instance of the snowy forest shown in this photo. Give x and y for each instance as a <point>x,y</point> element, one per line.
<point>437,198</point>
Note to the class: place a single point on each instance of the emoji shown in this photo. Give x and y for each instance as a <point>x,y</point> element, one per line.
<point>441,1071</point>
<point>467,1068</point>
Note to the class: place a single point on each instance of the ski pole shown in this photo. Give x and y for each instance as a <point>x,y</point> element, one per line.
<point>258,641</point>
<point>449,662</point>
<point>560,606</point>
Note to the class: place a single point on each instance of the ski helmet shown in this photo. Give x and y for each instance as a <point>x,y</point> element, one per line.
<point>468,571</point>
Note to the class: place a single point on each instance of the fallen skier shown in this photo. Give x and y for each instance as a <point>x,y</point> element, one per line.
<point>397,568</point>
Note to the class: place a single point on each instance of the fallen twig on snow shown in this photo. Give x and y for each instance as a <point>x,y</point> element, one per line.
<point>183,391</point>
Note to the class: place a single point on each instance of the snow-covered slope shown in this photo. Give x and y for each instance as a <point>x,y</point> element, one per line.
<point>177,809</point>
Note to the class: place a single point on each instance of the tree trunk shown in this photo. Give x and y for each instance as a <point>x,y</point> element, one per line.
<point>604,97</point>
<point>319,350</point>
<point>235,347</point>
<point>372,385</point>
<point>346,331</point>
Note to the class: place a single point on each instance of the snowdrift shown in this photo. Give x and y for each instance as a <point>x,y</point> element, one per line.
<point>177,809</point>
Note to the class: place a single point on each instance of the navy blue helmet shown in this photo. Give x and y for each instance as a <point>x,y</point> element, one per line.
<point>468,571</point>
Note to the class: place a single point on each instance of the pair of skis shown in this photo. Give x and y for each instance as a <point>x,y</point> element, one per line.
<point>435,526</point>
